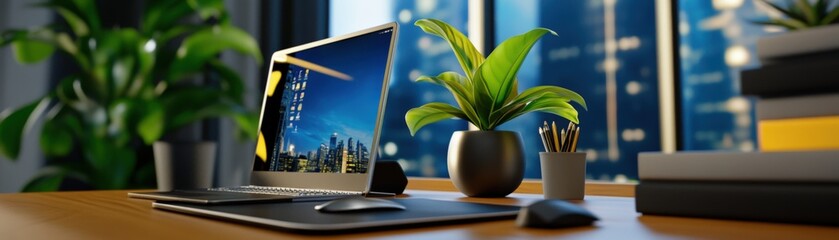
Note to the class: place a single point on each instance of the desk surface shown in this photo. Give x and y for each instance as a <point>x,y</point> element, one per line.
<point>112,215</point>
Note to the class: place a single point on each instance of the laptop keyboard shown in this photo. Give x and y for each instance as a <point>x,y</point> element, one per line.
<point>282,191</point>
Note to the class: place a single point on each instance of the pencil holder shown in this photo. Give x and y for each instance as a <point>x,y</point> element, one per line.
<point>563,175</point>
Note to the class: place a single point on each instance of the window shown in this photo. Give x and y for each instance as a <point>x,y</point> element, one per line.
<point>717,41</point>
<point>606,51</point>
<point>417,54</point>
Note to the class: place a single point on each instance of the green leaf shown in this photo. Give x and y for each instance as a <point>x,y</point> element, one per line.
<point>81,15</point>
<point>789,13</point>
<point>145,64</point>
<point>832,17</point>
<point>205,111</point>
<point>121,164</point>
<point>248,123</point>
<point>44,183</point>
<point>76,23</point>
<point>483,101</point>
<point>528,94</point>
<point>466,53</point>
<point>9,36</point>
<point>174,32</point>
<point>820,8</point>
<point>231,83</point>
<point>152,124</point>
<point>111,164</point>
<point>207,8</point>
<point>96,153</point>
<point>460,88</point>
<point>545,103</point>
<point>551,104</point>
<point>808,12</point>
<point>31,51</point>
<point>500,69</point>
<point>87,9</point>
<point>56,138</point>
<point>206,44</point>
<point>791,23</point>
<point>186,105</point>
<point>508,112</point>
<point>13,124</point>
<point>182,105</point>
<point>416,118</point>
<point>514,91</point>
<point>162,15</point>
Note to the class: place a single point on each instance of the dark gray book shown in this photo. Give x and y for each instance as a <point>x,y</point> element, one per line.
<point>798,106</point>
<point>807,203</point>
<point>792,78</point>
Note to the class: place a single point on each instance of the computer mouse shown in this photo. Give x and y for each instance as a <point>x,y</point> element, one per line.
<point>554,213</point>
<point>354,204</point>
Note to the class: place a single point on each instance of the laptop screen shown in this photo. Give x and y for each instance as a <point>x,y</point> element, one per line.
<point>322,105</point>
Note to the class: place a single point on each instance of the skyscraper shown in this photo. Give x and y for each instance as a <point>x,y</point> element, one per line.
<point>333,140</point>
<point>363,157</point>
<point>340,158</point>
<point>302,163</point>
<point>323,153</point>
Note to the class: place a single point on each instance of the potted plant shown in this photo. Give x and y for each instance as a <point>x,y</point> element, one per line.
<point>132,86</point>
<point>487,162</point>
<point>812,29</point>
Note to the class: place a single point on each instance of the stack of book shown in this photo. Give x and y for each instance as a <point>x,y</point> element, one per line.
<point>794,177</point>
<point>798,90</point>
<point>793,187</point>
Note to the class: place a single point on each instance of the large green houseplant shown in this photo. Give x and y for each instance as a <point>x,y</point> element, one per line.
<point>488,162</point>
<point>132,86</point>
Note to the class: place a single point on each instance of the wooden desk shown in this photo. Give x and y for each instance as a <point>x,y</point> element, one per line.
<point>112,215</point>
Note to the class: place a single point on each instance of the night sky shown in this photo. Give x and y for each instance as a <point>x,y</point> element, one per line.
<point>332,105</point>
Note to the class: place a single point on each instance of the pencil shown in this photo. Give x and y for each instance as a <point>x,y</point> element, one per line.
<point>570,139</point>
<point>554,135</point>
<point>562,137</point>
<point>547,131</point>
<point>568,134</point>
<point>576,138</point>
<point>544,141</point>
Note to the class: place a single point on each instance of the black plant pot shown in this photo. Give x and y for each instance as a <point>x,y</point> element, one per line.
<point>184,165</point>
<point>486,163</point>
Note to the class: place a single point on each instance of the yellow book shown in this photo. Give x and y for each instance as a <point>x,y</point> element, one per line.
<point>794,134</point>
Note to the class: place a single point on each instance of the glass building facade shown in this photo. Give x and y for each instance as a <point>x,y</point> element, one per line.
<point>606,51</point>
<point>417,53</point>
<point>717,41</point>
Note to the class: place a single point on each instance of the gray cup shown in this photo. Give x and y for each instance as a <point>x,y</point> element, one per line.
<point>563,175</point>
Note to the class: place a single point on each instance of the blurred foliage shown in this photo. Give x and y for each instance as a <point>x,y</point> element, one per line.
<point>803,14</point>
<point>132,87</point>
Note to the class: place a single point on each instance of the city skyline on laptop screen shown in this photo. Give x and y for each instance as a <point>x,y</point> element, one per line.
<point>322,106</point>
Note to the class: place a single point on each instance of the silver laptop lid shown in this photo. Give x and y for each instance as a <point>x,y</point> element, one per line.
<point>322,112</point>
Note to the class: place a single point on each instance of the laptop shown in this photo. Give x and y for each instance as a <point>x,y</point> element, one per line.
<point>319,125</point>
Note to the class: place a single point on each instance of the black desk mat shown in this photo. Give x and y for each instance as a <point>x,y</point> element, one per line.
<point>301,216</point>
